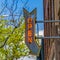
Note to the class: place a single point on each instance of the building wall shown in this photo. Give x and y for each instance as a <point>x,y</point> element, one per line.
<point>51,8</point>
<point>57,42</point>
<point>56,7</point>
<point>48,28</point>
<point>52,55</point>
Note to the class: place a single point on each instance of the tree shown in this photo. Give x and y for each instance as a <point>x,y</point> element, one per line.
<point>14,46</point>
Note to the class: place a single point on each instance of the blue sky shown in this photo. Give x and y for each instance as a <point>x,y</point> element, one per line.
<point>39,5</point>
<point>29,6</point>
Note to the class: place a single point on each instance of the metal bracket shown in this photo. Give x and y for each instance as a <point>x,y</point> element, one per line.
<point>47,21</point>
<point>48,37</point>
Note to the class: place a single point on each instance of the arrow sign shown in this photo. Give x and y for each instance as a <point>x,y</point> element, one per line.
<point>30,31</point>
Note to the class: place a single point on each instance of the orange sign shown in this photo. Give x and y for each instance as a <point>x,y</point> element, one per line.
<point>30,30</point>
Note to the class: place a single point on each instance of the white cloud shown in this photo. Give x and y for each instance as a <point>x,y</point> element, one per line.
<point>41,32</point>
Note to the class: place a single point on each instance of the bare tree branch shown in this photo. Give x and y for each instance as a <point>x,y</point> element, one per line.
<point>11,11</point>
<point>15,6</point>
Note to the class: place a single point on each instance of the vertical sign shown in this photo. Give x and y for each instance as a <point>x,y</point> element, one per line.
<point>30,31</point>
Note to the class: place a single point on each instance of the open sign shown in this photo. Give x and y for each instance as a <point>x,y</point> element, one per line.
<point>30,27</point>
<point>30,32</point>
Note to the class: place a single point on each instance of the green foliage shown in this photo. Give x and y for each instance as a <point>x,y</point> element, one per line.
<point>15,46</point>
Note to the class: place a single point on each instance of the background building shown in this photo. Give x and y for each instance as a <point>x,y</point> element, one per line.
<point>51,46</point>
